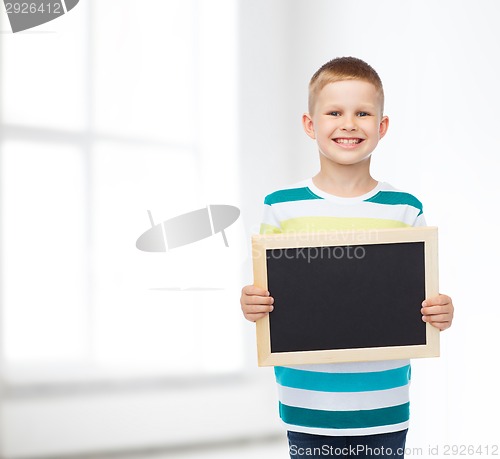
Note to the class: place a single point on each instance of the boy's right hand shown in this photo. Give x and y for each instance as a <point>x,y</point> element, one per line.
<point>255,302</point>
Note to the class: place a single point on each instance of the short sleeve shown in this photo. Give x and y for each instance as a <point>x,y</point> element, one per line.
<point>420,220</point>
<point>270,223</point>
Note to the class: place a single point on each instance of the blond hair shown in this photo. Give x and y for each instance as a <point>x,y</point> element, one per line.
<point>340,69</point>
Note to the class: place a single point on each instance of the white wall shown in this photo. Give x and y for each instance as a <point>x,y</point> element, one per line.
<point>440,67</point>
<point>438,61</point>
<point>107,417</point>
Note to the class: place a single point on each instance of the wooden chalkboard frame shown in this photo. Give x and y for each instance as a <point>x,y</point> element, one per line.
<point>261,243</point>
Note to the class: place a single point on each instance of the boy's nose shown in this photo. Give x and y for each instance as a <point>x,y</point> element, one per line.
<point>349,124</point>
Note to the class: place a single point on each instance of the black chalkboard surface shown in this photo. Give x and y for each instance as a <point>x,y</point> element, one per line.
<point>346,301</point>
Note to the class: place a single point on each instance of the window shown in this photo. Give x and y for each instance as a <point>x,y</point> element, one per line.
<point>106,114</point>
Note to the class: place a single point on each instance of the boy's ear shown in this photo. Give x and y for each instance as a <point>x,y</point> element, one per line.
<point>384,125</point>
<point>308,125</point>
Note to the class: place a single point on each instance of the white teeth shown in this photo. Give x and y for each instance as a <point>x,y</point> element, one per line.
<point>348,141</point>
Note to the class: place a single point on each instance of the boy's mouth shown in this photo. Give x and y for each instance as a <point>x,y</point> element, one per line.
<point>348,140</point>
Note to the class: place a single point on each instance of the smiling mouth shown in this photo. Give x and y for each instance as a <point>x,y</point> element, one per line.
<point>348,141</point>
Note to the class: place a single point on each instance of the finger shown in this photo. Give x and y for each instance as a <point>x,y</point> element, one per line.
<point>265,300</point>
<point>431,310</point>
<point>253,309</point>
<point>254,290</point>
<point>437,300</point>
<point>255,317</point>
<point>437,318</point>
<point>257,308</point>
<point>441,325</point>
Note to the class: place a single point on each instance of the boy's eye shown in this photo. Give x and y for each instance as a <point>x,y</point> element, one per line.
<point>334,113</point>
<point>363,114</point>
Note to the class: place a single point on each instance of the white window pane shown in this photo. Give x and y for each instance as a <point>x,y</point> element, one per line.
<point>131,330</point>
<point>217,82</point>
<point>144,69</point>
<point>43,237</point>
<point>144,319</point>
<point>44,72</point>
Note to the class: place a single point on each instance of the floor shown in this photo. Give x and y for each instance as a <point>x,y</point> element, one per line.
<point>268,450</point>
<point>273,448</point>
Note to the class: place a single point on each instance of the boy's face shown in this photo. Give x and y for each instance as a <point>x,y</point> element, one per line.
<point>347,122</point>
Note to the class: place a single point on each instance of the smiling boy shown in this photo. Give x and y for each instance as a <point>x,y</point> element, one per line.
<point>358,406</point>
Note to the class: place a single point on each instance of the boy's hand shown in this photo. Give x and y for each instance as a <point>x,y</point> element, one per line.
<point>255,302</point>
<point>438,311</point>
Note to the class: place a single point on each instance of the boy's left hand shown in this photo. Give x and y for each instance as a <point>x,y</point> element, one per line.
<point>438,311</point>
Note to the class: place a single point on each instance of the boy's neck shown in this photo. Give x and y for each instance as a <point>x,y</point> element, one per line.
<point>345,182</point>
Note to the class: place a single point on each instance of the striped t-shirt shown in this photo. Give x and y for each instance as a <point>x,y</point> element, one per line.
<point>359,398</point>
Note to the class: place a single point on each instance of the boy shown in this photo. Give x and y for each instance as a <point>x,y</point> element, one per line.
<point>360,409</point>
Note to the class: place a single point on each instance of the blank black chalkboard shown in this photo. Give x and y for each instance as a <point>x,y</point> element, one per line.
<point>364,298</point>
<point>371,298</point>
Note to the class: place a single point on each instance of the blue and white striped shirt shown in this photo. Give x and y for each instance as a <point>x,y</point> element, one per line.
<point>359,398</point>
